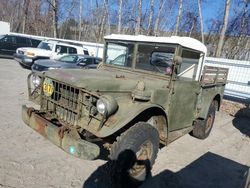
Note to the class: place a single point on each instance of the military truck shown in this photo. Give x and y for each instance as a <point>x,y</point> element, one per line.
<point>147,91</point>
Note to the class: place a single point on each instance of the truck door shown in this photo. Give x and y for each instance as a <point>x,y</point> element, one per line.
<point>183,104</point>
<point>186,89</point>
<point>22,42</point>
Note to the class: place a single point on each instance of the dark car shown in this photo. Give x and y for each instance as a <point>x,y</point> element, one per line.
<point>9,43</point>
<point>66,62</point>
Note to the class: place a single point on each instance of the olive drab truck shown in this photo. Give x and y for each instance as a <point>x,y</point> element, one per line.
<point>148,90</point>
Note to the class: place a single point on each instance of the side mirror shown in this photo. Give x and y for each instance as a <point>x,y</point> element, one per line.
<point>178,60</point>
<point>58,50</point>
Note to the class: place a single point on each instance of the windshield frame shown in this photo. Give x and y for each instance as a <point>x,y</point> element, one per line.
<point>122,44</point>
<point>135,51</point>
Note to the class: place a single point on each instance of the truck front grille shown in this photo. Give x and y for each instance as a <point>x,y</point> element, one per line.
<point>67,103</point>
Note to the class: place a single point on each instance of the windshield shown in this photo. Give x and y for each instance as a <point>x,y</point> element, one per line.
<point>1,36</point>
<point>155,58</point>
<point>119,54</point>
<point>70,58</point>
<point>149,56</point>
<point>45,46</point>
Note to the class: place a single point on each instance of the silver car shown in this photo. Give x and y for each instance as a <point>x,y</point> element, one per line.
<point>66,62</point>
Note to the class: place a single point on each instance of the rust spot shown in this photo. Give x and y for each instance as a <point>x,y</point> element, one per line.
<point>40,125</point>
<point>61,131</point>
<point>29,111</point>
<point>111,121</point>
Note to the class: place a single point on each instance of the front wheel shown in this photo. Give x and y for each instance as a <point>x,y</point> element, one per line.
<point>143,140</point>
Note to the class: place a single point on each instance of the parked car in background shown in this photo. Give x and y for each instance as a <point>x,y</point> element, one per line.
<point>9,43</point>
<point>49,49</point>
<point>66,62</point>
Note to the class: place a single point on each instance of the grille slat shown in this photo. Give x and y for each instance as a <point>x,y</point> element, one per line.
<point>63,102</point>
<point>69,103</point>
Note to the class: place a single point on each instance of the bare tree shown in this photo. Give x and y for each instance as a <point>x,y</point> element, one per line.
<point>193,20</point>
<point>106,6</point>
<point>40,17</point>
<point>236,46</point>
<point>26,8</point>
<point>223,29</point>
<point>139,18</point>
<point>201,21</point>
<point>15,20</point>
<point>150,20</point>
<point>80,21</point>
<point>55,18</point>
<point>54,5</point>
<point>103,20</point>
<point>157,21</point>
<point>120,16</point>
<point>178,17</point>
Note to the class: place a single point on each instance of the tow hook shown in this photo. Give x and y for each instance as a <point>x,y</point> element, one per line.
<point>30,110</point>
<point>61,131</point>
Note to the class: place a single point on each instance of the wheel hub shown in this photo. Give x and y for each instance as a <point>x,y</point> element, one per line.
<point>209,123</point>
<point>145,153</point>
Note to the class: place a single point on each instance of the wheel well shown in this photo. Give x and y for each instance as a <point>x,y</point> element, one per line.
<point>218,99</point>
<point>161,121</point>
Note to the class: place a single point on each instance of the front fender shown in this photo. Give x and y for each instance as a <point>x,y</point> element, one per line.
<point>127,112</point>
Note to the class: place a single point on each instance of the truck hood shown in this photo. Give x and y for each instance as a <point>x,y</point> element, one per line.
<point>36,51</point>
<point>107,80</point>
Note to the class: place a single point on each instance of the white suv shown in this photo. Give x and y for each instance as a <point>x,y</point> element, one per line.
<point>48,49</point>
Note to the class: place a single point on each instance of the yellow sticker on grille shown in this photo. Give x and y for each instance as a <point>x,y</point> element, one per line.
<point>48,87</point>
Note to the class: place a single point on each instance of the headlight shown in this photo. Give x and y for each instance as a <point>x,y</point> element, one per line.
<point>101,107</point>
<point>52,68</point>
<point>106,105</point>
<point>36,80</point>
<point>30,54</point>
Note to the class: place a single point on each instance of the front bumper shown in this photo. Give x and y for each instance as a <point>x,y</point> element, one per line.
<point>68,141</point>
<point>24,60</point>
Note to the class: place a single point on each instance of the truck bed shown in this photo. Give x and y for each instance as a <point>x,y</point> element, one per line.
<point>213,76</point>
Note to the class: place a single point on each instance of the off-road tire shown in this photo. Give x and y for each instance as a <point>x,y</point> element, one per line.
<point>202,128</point>
<point>133,139</point>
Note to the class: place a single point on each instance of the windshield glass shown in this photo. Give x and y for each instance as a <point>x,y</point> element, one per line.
<point>152,57</point>
<point>155,58</point>
<point>45,46</point>
<point>119,54</point>
<point>69,58</point>
<point>1,36</point>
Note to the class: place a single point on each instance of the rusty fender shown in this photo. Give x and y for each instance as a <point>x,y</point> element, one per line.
<point>68,141</point>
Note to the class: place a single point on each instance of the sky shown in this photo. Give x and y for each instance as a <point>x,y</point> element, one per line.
<point>211,9</point>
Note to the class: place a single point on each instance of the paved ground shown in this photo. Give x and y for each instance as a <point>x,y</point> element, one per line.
<point>28,160</point>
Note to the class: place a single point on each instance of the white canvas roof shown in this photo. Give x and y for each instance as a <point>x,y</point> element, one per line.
<point>183,41</point>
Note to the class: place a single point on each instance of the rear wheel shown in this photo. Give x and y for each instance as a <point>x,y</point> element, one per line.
<point>143,140</point>
<point>202,128</point>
